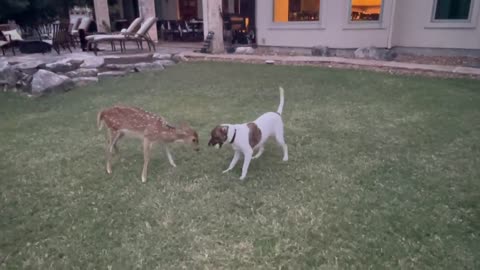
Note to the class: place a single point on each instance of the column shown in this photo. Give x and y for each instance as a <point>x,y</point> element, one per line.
<point>146,10</point>
<point>101,14</point>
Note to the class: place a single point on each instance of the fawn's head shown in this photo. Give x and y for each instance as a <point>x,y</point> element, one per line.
<point>186,134</point>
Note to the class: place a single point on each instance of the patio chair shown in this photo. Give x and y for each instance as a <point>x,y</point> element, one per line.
<point>139,36</point>
<point>9,39</point>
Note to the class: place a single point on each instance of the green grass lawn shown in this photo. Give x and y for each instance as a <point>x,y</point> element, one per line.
<point>384,173</point>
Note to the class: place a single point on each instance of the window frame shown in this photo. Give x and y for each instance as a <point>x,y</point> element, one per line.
<point>378,22</point>
<point>299,25</point>
<point>469,19</point>
<point>471,23</point>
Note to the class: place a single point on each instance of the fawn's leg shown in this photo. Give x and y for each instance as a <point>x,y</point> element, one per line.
<point>107,151</point>
<point>113,138</point>
<point>117,135</point>
<point>147,146</point>
<point>169,155</point>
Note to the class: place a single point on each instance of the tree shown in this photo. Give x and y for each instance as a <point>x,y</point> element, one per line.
<point>215,24</point>
<point>30,12</point>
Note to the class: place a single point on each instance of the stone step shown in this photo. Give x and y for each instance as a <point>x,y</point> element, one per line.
<point>128,59</point>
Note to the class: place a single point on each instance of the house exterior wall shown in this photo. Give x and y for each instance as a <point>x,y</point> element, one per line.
<point>403,23</point>
<point>414,27</point>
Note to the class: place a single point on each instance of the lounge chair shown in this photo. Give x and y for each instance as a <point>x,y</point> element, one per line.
<point>139,36</point>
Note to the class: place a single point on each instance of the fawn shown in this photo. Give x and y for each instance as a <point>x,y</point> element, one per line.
<point>151,128</point>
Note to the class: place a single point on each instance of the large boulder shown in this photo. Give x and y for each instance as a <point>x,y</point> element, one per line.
<point>29,67</point>
<point>82,72</point>
<point>45,81</point>
<point>64,65</point>
<point>320,51</point>
<point>93,62</point>
<point>375,53</point>
<point>8,75</point>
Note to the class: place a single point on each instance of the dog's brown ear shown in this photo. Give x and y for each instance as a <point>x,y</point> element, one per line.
<point>224,130</point>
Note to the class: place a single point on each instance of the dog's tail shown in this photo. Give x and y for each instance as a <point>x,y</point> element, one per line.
<point>100,120</point>
<point>282,101</point>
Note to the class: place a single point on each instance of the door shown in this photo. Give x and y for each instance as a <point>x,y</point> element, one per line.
<point>188,9</point>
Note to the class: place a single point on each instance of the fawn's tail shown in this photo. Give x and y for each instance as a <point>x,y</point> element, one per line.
<point>282,101</point>
<point>100,120</point>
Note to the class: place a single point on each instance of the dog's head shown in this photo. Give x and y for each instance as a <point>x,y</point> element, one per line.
<point>218,136</point>
<point>187,135</point>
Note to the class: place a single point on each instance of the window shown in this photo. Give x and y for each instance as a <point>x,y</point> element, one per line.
<point>296,10</point>
<point>366,10</point>
<point>452,9</point>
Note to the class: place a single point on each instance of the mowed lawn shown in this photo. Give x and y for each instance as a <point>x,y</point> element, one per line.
<point>384,173</point>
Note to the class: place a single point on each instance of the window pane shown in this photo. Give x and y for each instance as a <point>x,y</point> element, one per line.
<point>366,10</point>
<point>452,9</point>
<point>296,10</point>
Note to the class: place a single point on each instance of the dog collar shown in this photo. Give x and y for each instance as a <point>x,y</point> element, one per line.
<point>234,135</point>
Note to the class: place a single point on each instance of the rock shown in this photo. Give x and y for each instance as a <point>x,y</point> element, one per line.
<point>106,74</point>
<point>121,67</point>
<point>179,58</point>
<point>64,65</point>
<point>269,62</point>
<point>45,81</point>
<point>83,81</point>
<point>375,53</point>
<point>82,72</point>
<point>320,51</point>
<point>244,50</point>
<point>25,82</point>
<point>165,63</point>
<point>162,56</point>
<point>93,62</point>
<point>8,75</point>
<point>29,67</point>
<point>154,66</point>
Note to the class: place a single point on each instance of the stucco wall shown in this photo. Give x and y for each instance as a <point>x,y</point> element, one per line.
<point>414,27</point>
<point>333,30</point>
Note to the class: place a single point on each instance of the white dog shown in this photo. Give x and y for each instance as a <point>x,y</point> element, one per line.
<point>248,137</point>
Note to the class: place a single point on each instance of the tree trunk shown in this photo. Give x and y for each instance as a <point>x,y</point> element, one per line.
<point>215,24</point>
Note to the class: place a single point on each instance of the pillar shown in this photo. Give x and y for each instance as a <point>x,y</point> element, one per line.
<point>101,14</point>
<point>146,10</point>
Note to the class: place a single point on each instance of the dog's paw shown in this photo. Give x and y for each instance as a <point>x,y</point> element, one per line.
<point>242,178</point>
<point>144,179</point>
<point>226,171</point>
<point>109,171</point>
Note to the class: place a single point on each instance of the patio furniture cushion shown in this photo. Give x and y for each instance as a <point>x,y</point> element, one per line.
<point>14,35</point>
<point>106,37</point>
<point>146,26</point>
<point>134,25</point>
<point>85,23</point>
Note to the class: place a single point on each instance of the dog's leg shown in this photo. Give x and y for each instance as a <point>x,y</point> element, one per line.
<point>235,159</point>
<point>147,146</point>
<point>246,162</point>
<point>169,155</point>
<point>260,152</point>
<point>281,141</point>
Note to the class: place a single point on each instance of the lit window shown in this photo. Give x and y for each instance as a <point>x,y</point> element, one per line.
<point>452,9</point>
<point>296,10</point>
<point>366,10</point>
